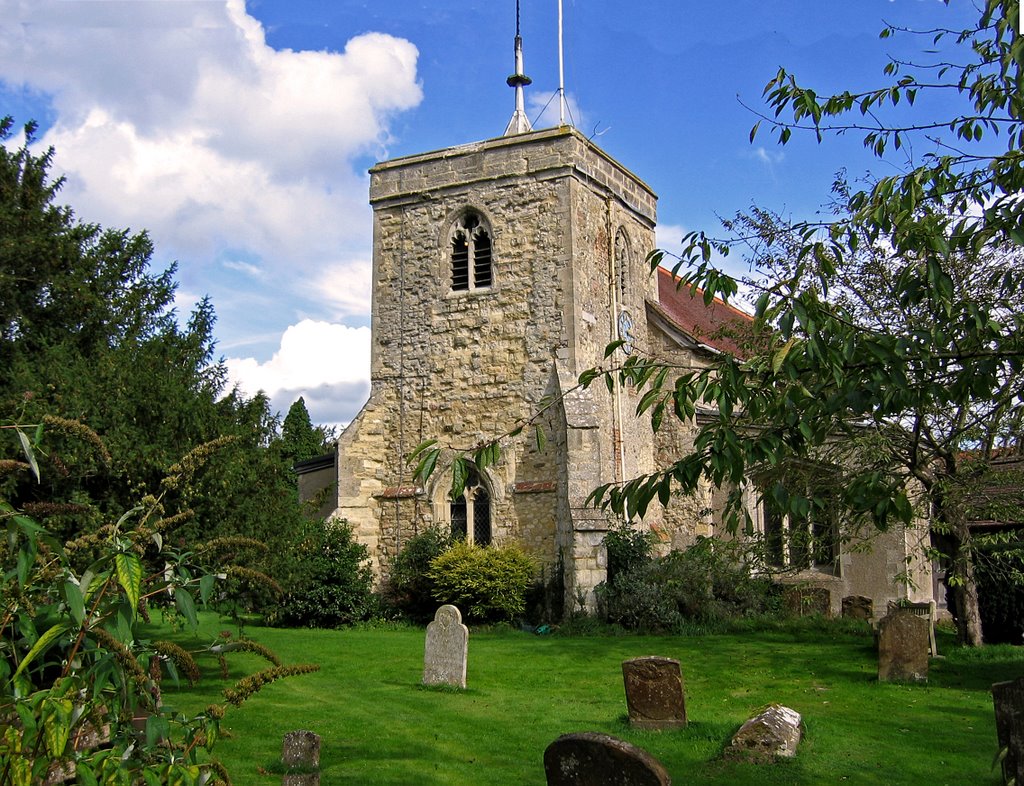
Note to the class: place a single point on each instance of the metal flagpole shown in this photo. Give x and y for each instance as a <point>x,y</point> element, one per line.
<point>561,71</point>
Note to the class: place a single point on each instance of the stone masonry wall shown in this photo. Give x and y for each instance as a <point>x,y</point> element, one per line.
<point>463,367</point>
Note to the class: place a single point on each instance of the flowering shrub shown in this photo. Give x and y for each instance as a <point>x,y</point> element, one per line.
<point>487,583</point>
<point>79,684</point>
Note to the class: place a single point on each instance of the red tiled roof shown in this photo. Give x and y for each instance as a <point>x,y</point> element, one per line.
<point>685,306</point>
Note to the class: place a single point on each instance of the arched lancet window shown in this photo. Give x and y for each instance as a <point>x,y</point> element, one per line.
<point>622,263</point>
<point>472,265</point>
<point>471,512</point>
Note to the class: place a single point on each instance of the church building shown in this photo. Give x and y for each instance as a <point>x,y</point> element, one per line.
<point>501,271</point>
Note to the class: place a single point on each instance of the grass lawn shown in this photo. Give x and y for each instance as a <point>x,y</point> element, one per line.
<point>379,726</point>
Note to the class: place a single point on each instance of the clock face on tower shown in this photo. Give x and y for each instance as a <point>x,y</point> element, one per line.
<point>626,331</point>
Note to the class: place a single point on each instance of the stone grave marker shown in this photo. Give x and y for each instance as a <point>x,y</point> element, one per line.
<point>774,732</point>
<point>654,693</point>
<point>446,650</point>
<point>805,601</point>
<point>591,759</point>
<point>1008,698</point>
<point>903,647</point>
<point>858,607</point>
<point>301,752</point>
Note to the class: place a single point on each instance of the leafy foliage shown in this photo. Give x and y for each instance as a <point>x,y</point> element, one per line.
<point>486,583</point>
<point>409,588</point>
<point>299,439</point>
<point>707,583</point>
<point>79,683</point>
<point>329,583</point>
<point>628,548</point>
<point>888,340</point>
<point>88,332</point>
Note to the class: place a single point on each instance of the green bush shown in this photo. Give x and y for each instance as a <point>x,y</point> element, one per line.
<point>488,584</point>
<point>707,584</point>
<point>409,589</point>
<point>628,549</point>
<point>330,583</point>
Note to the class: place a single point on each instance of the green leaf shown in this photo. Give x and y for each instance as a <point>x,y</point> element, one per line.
<point>56,724</point>
<point>30,454</point>
<point>780,355</point>
<point>186,605</point>
<point>75,600</point>
<point>206,585</point>
<point>129,576</point>
<point>157,729</point>
<point>41,644</point>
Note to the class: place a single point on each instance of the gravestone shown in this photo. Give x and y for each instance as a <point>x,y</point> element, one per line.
<point>444,656</point>
<point>654,693</point>
<point>1008,698</point>
<point>301,752</point>
<point>903,647</point>
<point>591,759</point>
<point>805,601</point>
<point>858,607</point>
<point>774,732</point>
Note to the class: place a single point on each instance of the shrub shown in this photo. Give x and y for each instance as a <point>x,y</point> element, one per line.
<point>708,583</point>
<point>330,583</point>
<point>73,655</point>
<point>409,589</point>
<point>628,549</point>
<point>487,583</point>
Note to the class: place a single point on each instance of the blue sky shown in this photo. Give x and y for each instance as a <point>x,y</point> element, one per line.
<point>239,132</point>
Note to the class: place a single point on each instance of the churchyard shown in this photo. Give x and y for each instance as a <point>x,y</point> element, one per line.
<point>380,725</point>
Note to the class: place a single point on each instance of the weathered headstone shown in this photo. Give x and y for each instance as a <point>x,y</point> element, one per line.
<point>858,607</point>
<point>903,647</point>
<point>591,759</point>
<point>1008,698</point>
<point>774,732</point>
<point>654,693</point>
<point>300,754</point>
<point>444,656</point>
<point>804,601</point>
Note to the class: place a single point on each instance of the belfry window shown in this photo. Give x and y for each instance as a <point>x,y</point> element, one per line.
<point>471,512</point>
<point>471,254</point>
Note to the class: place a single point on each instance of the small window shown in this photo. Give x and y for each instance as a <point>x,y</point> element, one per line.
<point>470,513</point>
<point>800,542</point>
<point>472,264</point>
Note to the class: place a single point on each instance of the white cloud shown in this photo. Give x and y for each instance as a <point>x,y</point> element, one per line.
<point>544,111</point>
<point>328,364</point>
<point>242,161</point>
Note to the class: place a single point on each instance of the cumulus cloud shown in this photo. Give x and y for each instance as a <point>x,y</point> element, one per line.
<point>328,364</point>
<point>244,162</point>
<point>542,107</point>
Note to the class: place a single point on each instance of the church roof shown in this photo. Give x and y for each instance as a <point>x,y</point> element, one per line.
<point>707,324</point>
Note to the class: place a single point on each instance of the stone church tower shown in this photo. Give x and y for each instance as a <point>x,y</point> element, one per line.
<point>501,270</point>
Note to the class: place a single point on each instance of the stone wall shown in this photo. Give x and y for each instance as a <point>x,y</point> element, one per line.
<point>465,366</point>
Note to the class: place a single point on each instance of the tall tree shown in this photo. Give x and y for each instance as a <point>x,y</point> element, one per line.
<point>896,326</point>
<point>88,332</point>
<point>299,439</point>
